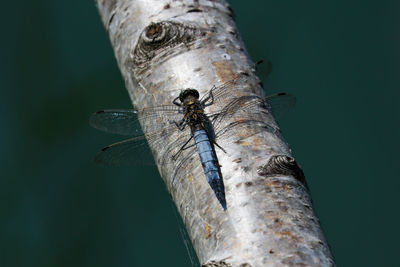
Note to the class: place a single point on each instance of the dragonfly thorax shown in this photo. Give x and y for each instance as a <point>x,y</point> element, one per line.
<point>189,95</point>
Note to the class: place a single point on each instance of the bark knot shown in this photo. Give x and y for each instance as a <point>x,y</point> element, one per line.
<point>282,165</point>
<point>162,40</point>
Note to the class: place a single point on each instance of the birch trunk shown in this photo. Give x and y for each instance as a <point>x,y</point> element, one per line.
<point>163,46</point>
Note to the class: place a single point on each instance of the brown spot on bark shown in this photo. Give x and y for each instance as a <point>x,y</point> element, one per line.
<point>224,70</point>
<point>209,233</point>
<point>289,235</point>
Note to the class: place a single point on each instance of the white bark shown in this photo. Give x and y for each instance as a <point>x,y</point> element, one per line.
<point>163,46</point>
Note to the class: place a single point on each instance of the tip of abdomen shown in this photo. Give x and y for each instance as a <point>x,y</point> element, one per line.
<point>223,202</point>
<point>217,186</point>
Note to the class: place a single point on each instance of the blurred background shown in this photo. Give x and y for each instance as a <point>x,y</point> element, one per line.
<point>340,58</point>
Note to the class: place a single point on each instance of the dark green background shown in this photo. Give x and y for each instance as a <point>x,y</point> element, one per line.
<point>340,58</point>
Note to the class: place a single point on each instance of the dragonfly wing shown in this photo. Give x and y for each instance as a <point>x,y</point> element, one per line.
<point>251,106</point>
<point>159,129</point>
<point>263,69</point>
<point>162,132</point>
<point>280,103</point>
<point>246,106</point>
<point>248,112</point>
<point>134,151</point>
<point>224,91</point>
<point>126,121</point>
<point>118,121</point>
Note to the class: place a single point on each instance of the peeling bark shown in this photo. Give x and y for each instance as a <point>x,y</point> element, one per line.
<point>165,46</point>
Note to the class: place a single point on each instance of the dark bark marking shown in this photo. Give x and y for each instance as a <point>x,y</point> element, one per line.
<point>231,12</point>
<point>110,7</point>
<point>111,19</point>
<point>246,169</point>
<point>216,264</point>
<point>248,183</point>
<point>282,165</point>
<point>162,40</point>
<point>193,10</point>
<point>238,160</point>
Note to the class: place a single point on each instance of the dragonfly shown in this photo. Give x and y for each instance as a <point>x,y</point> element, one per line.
<point>191,128</point>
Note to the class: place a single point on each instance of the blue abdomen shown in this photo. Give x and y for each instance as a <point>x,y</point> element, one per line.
<point>210,165</point>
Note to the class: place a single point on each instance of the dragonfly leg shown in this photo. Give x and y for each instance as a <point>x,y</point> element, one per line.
<point>174,157</point>
<point>181,124</point>
<point>213,117</point>
<point>175,101</point>
<point>188,147</point>
<point>215,143</point>
<point>210,96</point>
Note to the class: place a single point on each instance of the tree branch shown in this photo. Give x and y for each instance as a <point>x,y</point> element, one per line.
<point>164,46</point>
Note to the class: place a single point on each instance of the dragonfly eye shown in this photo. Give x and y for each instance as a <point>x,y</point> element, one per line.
<point>188,92</point>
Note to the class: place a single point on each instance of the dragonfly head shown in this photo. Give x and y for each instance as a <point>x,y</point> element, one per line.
<point>189,94</point>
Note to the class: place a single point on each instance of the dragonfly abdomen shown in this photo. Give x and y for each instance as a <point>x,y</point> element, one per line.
<point>210,165</point>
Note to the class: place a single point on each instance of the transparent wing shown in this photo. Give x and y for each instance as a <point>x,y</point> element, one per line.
<point>241,104</point>
<point>248,111</point>
<point>134,151</point>
<point>224,91</point>
<point>280,103</point>
<point>263,69</point>
<point>251,105</point>
<point>118,121</point>
<point>158,129</point>
<point>126,121</point>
